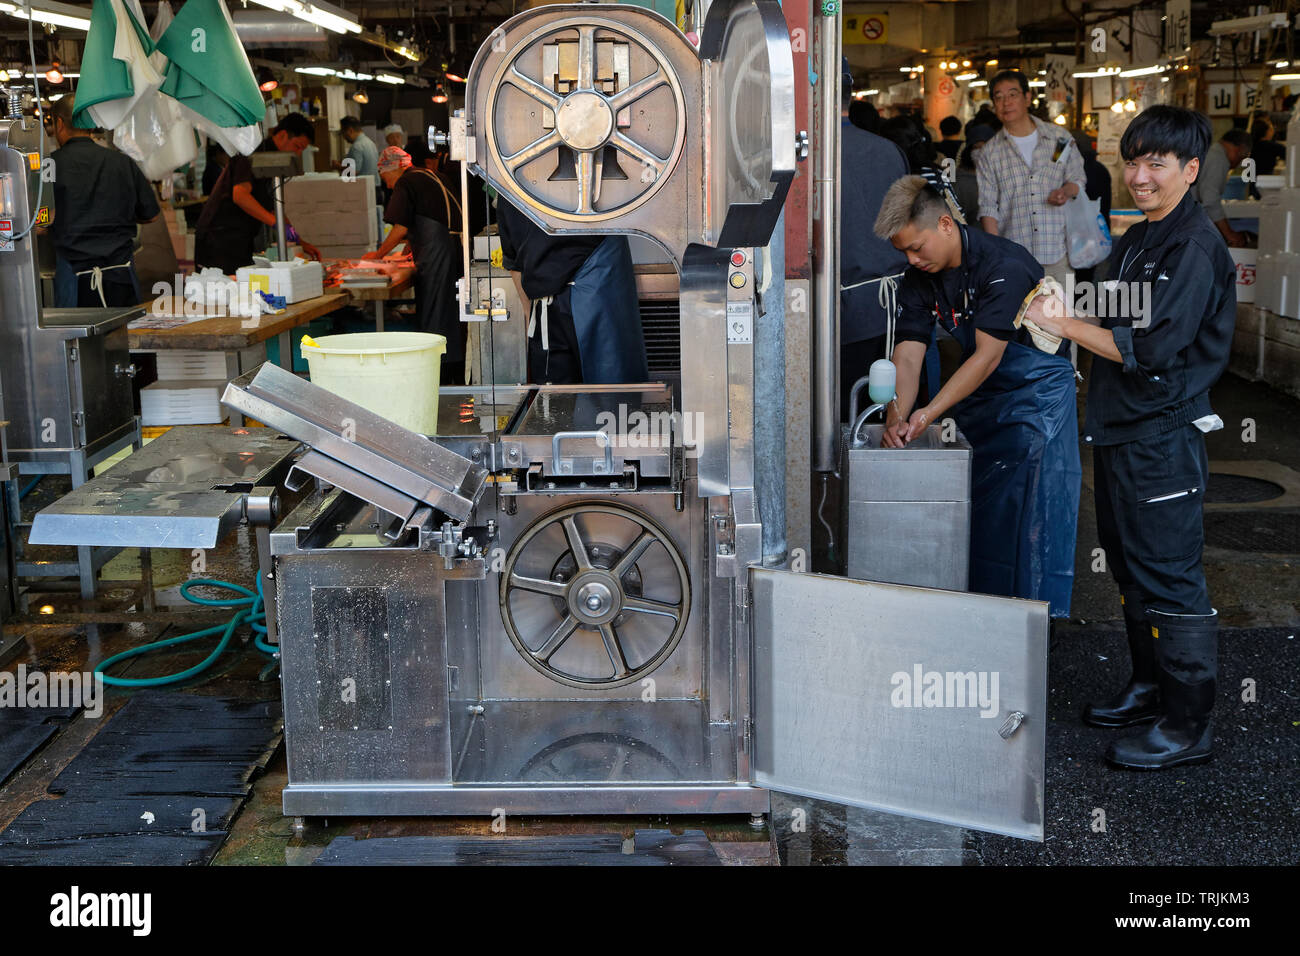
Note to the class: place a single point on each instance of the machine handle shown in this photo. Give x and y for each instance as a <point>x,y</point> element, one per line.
<point>128,370</point>
<point>1011,724</point>
<point>602,438</point>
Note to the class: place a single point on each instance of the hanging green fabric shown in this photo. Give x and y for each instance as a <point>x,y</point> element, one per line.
<point>208,71</point>
<point>104,76</point>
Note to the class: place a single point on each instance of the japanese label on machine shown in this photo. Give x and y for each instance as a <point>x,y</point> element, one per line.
<point>740,322</point>
<point>6,235</point>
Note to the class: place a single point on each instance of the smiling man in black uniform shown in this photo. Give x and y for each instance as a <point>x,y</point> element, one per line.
<point>1148,407</point>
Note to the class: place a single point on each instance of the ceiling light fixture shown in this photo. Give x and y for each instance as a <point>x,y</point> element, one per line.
<point>1143,71</point>
<point>51,13</point>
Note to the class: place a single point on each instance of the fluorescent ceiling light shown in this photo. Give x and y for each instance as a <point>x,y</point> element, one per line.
<point>55,14</point>
<point>1265,21</point>
<point>1285,76</point>
<point>14,74</point>
<point>1101,71</point>
<point>388,78</point>
<point>327,16</point>
<point>975,83</point>
<point>1037,82</point>
<point>281,6</point>
<point>966,76</point>
<point>910,69</point>
<point>1143,71</point>
<point>315,70</point>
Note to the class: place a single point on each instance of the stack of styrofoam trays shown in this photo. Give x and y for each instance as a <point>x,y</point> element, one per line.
<point>183,402</point>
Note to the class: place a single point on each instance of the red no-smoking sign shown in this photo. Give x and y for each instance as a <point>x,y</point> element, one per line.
<point>946,87</point>
<point>872,28</point>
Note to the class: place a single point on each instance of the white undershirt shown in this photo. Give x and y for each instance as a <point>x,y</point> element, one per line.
<point>1026,145</point>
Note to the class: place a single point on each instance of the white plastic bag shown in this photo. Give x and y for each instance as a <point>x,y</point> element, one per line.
<point>155,134</point>
<point>1086,232</point>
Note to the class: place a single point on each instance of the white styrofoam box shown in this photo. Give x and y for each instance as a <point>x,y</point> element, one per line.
<point>294,280</point>
<point>1280,283</point>
<point>1266,280</point>
<point>1244,260</point>
<point>187,365</point>
<point>326,210</point>
<point>1274,224</point>
<point>1270,183</point>
<point>484,245</point>
<point>182,403</point>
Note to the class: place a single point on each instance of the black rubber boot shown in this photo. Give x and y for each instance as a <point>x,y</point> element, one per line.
<point>1187,662</point>
<point>1139,701</point>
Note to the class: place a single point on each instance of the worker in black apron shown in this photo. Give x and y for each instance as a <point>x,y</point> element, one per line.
<point>99,196</point>
<point>1148,412</point>
<point>1014,403</point>
<point>584,320</point>
<point>421,209</point>
<point>230,229</point>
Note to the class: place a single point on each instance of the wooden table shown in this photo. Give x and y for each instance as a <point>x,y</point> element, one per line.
<point>400,282</point>
<point>232,334</point>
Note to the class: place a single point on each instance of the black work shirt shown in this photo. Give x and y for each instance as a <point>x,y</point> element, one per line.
<point>869,164</point>
<point>985,291</point>
<point>546,264</point>
<point>418,193</point>
<point>1176,346</point>
<point>99,196</point>
<point>221,215</point>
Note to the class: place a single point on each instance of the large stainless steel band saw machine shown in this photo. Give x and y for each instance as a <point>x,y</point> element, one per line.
<point>549,608</point>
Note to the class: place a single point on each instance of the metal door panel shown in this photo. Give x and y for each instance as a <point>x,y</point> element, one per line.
<point>836,716</point>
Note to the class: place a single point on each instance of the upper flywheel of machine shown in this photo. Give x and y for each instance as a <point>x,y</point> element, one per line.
<point>588,119</point>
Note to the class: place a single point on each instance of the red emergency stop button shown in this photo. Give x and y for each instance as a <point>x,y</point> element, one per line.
<point>738,258</point>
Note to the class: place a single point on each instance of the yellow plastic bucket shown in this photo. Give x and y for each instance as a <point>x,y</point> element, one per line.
<point>393,374</point>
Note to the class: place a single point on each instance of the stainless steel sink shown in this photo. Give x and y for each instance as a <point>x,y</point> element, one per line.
<point>907,510</point>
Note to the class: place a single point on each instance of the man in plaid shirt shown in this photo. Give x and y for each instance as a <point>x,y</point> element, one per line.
<point>1027,173</point>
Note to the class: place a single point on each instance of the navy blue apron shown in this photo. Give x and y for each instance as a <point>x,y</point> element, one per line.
<point>1022,424</point>
<point>606,317</point>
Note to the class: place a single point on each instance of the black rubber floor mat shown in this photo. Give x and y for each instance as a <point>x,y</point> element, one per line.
<point>23,731</point>
<point>164,742</point>
<point>160,830</point>
<point>646,848</point>
<point>158,785</point>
